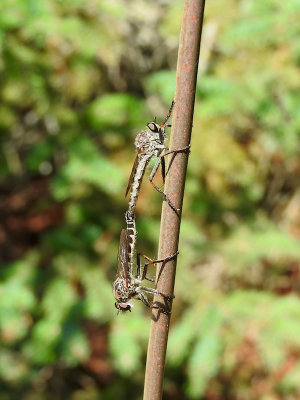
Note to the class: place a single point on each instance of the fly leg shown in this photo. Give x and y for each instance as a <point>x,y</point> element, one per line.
<point>155,291</point>
<point>151,262</point>
<point>141,275</point>
<point>182,150</point>
<point>147,303</point>
<point>162,162</point>
<point>163,124</point>
<point>166,198</point>
<point>145,300</point>
<point>174,152</point>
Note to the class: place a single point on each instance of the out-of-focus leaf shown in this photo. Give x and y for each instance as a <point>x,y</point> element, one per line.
<point>62,290</point>
<point>204,361</point>
<point>203,364</point>
<point>99,291</point>
<point>162,83</point>
<point>114,110</point>
<point>17,299</point>
<point>87,166</point>
<point>13,367</point>
<point>247,246</point>
<point>127,357</point>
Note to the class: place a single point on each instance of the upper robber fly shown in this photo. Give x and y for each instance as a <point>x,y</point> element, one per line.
<point>150,143</point>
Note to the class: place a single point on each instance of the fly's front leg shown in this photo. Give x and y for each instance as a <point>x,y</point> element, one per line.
<point>145,300</point>
<point>155,291</point>
<point>166,198</point>
<point>168,116</point>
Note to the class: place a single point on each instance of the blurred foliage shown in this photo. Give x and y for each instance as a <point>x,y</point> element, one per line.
<point>78,80</point>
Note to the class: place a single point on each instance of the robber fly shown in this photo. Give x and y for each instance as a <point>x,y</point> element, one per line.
<point>150,143</point>
<point>127,286</point>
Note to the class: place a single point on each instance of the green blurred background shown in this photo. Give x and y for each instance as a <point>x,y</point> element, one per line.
<point>79,79</point>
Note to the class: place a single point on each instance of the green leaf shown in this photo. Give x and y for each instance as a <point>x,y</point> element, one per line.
<point>205,358</point>
<point>114,110</point>
<point>124,343</point>
<point>86,165</point>
<point>162,83</point>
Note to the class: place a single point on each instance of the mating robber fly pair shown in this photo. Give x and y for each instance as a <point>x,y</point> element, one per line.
<point>127,285</point>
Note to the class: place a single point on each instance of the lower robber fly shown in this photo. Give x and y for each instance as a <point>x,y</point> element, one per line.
<point>127,286</point>
<point>150,143</point>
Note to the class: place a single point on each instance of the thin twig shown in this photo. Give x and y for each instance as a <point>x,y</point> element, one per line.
<point>187,66</point>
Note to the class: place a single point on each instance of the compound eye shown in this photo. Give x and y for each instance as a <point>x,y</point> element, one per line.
<point>153,126</point>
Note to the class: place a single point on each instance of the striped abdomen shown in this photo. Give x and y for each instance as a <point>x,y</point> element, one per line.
<point>131,233</point>
<point>137,181</point>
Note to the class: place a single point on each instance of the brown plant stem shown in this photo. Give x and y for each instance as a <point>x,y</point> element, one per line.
<point>187,65</point>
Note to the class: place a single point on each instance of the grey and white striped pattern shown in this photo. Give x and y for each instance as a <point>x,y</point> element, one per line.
<point>131,232</point>
<point>137,181</point>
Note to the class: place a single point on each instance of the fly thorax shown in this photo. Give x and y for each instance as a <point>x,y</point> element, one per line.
<point>143,142</point>
<point>122,291</point>
<point>146,142</point>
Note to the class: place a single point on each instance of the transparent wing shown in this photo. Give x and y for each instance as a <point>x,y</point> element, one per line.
<point>123,257</point>
<point>133,171</point>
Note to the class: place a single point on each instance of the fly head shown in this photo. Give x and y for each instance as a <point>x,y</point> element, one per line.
<point>153,126</point>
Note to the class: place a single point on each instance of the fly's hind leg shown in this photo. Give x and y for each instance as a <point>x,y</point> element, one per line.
<point>142,275</point>
<point>151,262</point>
